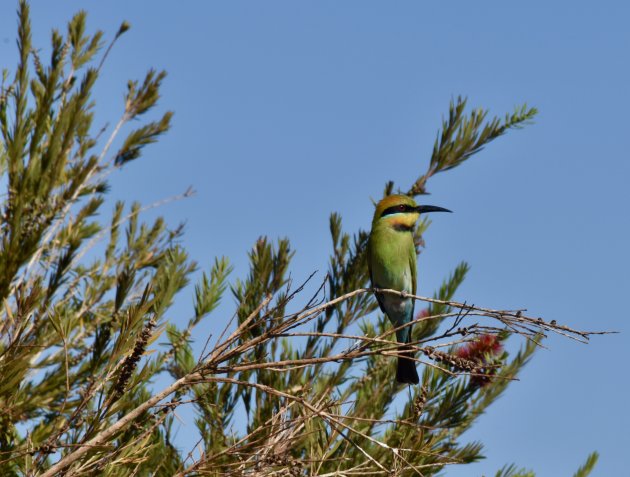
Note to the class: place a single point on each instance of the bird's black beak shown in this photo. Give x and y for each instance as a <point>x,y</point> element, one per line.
<point>423,209</point>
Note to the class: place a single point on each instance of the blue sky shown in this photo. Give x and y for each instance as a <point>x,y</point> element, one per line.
<point>288,110</point>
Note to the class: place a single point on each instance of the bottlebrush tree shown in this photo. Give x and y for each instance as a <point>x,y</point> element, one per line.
<point>296,385</point>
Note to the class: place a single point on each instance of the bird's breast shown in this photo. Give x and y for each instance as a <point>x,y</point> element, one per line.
<point>391,263</point>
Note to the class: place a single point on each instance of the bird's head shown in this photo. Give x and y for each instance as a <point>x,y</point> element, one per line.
<point>401,211</point>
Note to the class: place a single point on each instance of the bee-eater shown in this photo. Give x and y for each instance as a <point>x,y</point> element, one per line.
<point>391,256</point>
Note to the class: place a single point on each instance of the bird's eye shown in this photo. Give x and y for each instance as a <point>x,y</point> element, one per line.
<point>401,208</point>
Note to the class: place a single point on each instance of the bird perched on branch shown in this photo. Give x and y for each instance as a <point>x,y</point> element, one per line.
<point>391,256</point>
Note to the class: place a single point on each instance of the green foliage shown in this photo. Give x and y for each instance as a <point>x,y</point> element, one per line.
<point>299,391</point>
<point>588,466</point>
<point>139,100</point>
<point>464,135</point>
<point>512,471</point>
<point>75,334</point>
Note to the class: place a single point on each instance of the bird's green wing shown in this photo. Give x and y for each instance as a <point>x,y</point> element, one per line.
<point>374,285</point>
<point>413,266</point>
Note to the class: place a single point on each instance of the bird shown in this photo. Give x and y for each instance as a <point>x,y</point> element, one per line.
<point>391,258</point>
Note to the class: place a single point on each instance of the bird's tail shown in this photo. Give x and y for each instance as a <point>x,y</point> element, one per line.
<point>406,372</point>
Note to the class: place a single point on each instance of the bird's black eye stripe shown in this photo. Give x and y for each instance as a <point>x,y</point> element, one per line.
<point>397,209</point>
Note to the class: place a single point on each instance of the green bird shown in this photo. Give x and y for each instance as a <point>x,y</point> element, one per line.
<point>391,256</point>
